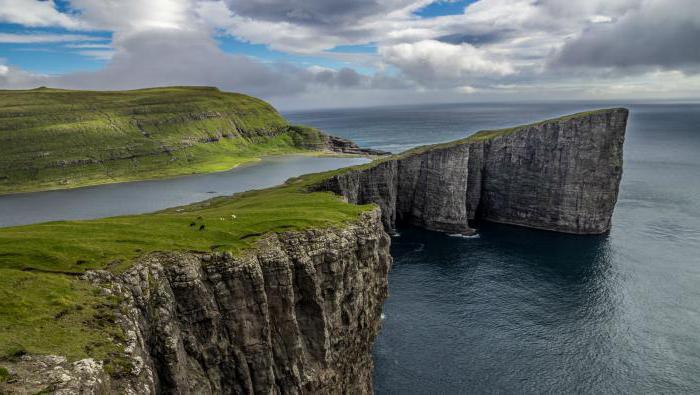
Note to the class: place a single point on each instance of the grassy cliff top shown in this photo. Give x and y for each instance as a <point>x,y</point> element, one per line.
<point>490,134</point>
<point>46,309</point>
<point>53,138</point>
<point>483,135</point>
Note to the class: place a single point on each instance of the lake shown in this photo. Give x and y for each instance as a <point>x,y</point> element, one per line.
<point>146,196</point>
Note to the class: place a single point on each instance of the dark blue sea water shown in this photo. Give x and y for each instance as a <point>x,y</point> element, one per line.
<point>525,311</point>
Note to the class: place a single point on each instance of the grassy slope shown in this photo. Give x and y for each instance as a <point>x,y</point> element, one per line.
<point>38,263</point>
<point>52,138</point>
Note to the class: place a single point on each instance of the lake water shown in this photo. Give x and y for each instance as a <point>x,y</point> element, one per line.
<point>526,311</point>
<point>146,196</point>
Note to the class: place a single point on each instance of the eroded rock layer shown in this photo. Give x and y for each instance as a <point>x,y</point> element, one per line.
<point>561,175</point>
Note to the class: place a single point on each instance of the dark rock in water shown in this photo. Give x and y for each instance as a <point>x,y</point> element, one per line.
<point>561,175</point>
<point>344,146</point>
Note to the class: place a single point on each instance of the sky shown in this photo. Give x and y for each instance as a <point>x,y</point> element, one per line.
<point>336,53</point>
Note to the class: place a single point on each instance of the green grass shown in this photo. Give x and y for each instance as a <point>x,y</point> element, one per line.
<point>46,309</point>
<point>42,312</point>
<point>53,139</point>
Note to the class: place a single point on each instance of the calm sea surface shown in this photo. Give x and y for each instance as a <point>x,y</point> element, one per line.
<point>526,311</point>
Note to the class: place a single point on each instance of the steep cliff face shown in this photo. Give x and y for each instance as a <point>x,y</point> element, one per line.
<point>560,175</point>
<point>297,314</point>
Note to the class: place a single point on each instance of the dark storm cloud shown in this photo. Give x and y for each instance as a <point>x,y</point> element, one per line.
<point>666,37</point>
<point>312,12</point>
<point>476,39</point>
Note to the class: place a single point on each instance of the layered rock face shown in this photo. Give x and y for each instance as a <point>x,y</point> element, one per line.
<point>561,175</point>
<point>297,314</point>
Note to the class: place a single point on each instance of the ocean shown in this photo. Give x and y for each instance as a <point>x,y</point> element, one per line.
<point>517,310</point>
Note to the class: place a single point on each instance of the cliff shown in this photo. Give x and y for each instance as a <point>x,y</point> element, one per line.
<point>561,175</point>
<point>296,314</point>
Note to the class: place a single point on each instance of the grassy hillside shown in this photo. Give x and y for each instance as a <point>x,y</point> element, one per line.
<point>51,138</point>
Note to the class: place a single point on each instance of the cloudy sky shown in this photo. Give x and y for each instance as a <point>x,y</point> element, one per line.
<point>334,53</point>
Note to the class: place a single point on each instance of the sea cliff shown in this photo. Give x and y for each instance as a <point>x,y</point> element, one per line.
<point>561,175</point>
<point>296,314</point>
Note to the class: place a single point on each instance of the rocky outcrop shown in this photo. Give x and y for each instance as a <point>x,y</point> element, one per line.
<point>344,146</point>
<point>41,374</point>
<point>561,175</point>
<point>297,314</point>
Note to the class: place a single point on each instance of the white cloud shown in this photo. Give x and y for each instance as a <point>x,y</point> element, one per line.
<point>600,19</point>
<point>436,62</point>
<point>89,46</point>
<point>466,89</point>
<point>36,13</point>
<point>98,54</point>
<point>15,38</point>
<point>135,15</point>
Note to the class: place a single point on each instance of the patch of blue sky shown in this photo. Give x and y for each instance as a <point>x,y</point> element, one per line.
<point>362,48</point>
<point>261,52</point>
<point>63,6</point>
<point>50,57</point>
<point>19,29</point>
<point>443,7</point>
